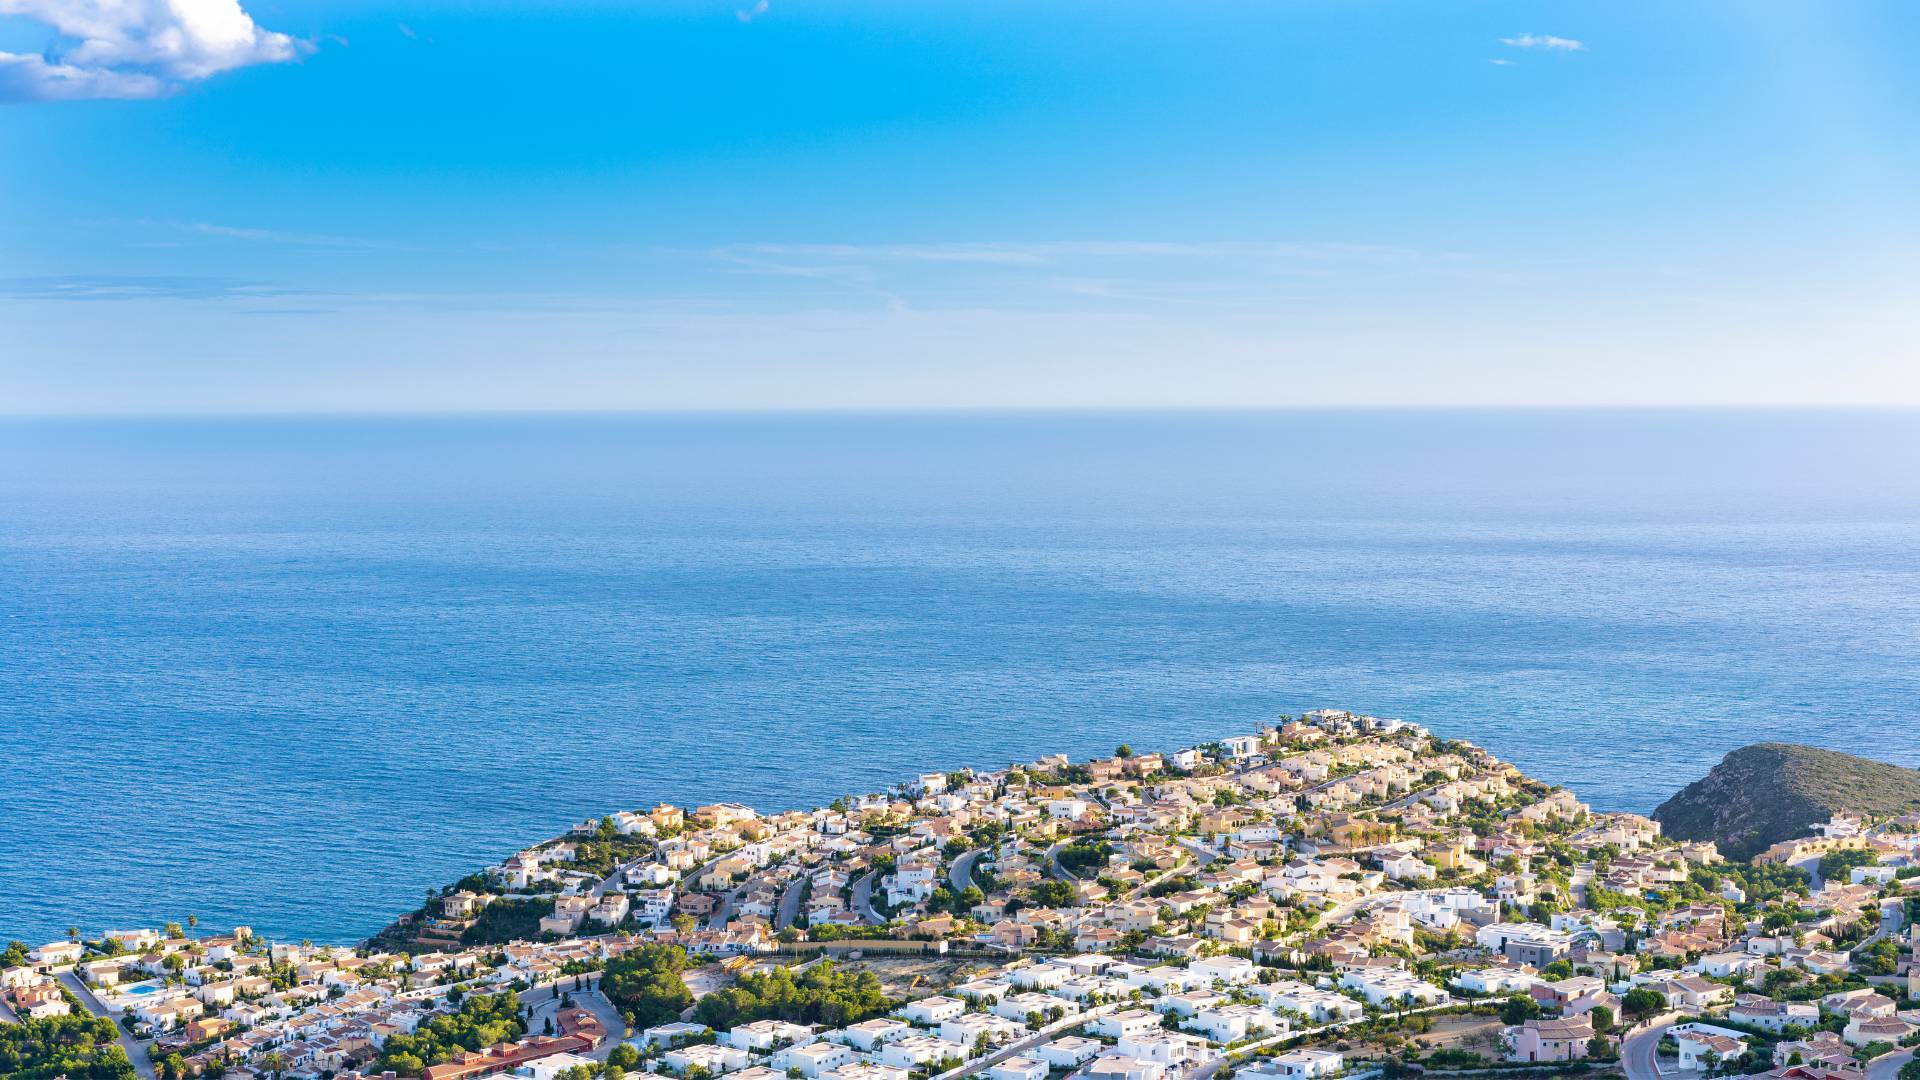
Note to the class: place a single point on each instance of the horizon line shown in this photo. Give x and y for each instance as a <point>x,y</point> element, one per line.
<point>958,410</point>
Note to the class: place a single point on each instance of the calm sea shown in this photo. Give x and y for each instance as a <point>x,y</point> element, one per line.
<point>295,672</point>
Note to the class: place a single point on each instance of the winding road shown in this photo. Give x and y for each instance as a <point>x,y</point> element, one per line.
<point>1054,869</point>
<point>1893,914</point>
<point>1239,1053</point>
<point>960,874</point>
<point>136,1051</point>
<point>1028,1042</point>
<point>790,903</point>
<point>1888,1066</point>
<point>1206,854</point>
<point>599,890</point>
<point>863,898</point>
<point>1638,1050</point>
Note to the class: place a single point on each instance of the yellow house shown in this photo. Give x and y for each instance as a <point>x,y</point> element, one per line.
<point>1349,831</point>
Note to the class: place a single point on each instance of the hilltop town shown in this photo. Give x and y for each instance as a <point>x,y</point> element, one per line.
<point>1330,895</point>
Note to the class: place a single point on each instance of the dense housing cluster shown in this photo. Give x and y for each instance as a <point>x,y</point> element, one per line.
<point>1329,894</point>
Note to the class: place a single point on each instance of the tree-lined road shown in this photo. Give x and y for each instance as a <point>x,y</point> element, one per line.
<point>1888,1066</point>
<point>863,898</point>
<point>960,874</point>
<point>1639,1050</point>
<point>790,903</point>
<point>136,1051</point>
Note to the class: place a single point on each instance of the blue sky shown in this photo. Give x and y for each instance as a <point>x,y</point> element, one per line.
<point>355,206</point>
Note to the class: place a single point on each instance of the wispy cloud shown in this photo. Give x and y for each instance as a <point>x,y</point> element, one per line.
<point>273,236</point>
<point>1192,294</point>
<point>135,48</point>
<point>1039,253</point>
<point>1497,62</point>
<point>747,15</point>
<point>1544,41</point>
<point>109,287</point>
<point>1229,273</point>
<point>149,233</point>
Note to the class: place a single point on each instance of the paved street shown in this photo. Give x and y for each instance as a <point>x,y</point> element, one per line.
<point>1205,853</point>
<point>960,874</point>
<point>543,1003</point>
<point>1028,1042</point>
<point>1888,1066</point>
<point>137,1051</point>
<point>790,903</point>
<point>613,878</point>
<point>1208,1070</point>
<point>1054,869</point>
<point>724,911</point>
<point>1893,915</point>
<point>862,902</point>
<point>1638,1051</point>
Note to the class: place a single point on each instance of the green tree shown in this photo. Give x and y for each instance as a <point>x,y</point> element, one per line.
<point>77,1047</point>
<point>1641,1003</point>
<point>507,920</point>
<point>1519,1009</point>
<point>646,982</point>
<point>821,995</point>
<point>1051,894</point>
<point>483,1020</point>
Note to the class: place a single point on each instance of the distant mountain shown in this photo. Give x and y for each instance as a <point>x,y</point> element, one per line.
<point>1762,794</point>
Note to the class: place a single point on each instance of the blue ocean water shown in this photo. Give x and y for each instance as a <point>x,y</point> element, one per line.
<point>295,672</point>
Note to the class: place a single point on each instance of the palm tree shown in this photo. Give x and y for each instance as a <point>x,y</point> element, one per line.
<point>73,933</point>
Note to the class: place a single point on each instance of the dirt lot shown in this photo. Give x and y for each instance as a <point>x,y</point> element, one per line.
<point>916,976</point>
<point>1480,1034</point>
<point>704,981</point>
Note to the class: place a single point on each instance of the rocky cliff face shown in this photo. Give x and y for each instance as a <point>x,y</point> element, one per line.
<point>1762,794</point>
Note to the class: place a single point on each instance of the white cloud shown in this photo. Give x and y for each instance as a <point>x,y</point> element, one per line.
<point>274,236</point>
<point>1045,252</point>
<point>1544,41</point>
<point>1501,63</point>
<point>135,48</point>
<point>746,15</point>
